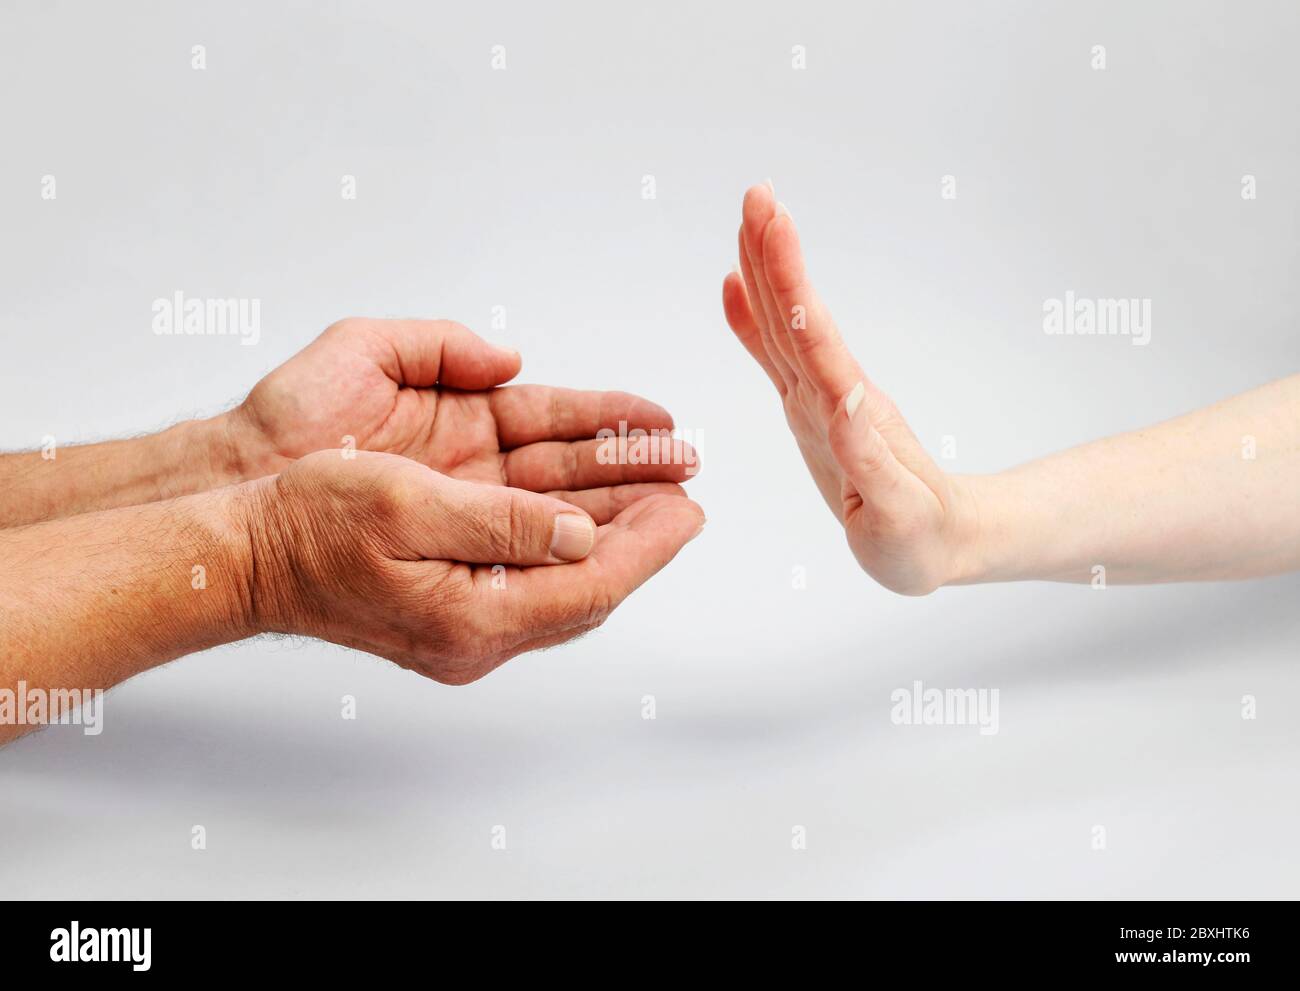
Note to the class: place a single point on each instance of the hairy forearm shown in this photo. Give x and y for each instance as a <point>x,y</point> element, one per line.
<point>190,457</point>
<point>90,601</point>
<point>1214,494</point>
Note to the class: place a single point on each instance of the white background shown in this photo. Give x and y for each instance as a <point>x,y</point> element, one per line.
<point>522,189</point>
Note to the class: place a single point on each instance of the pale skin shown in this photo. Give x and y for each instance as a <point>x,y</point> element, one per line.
<point>1178,501</point>
<point>471,523</point>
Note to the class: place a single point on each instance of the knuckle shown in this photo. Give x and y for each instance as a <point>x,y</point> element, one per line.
<point>808,343</point>
<point>572,466</point>
<point>495,528</point>
<point>523,525</point>
<point>384,501</point>
<point>451,327</point>
<point>509,529</point>
<point>555,413</point>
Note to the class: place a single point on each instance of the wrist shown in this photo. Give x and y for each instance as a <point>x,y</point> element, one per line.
<point>257,515</point>
<point>234,448</point>
<point>971,559</point>
<point>1014,531</point>
<point>224,517</point>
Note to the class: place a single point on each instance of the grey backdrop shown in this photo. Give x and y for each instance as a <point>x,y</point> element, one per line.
<point>523,189</point>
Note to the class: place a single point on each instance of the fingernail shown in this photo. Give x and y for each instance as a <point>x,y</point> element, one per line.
<point>771,187</point>
<point>573,537</point>
<point>699,530</point>
<point>855,399</point>
<point>736,269</point>
<point>781,211</point>
<point>505,350</point>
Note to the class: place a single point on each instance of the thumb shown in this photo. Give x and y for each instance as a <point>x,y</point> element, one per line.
<point>865,458</point>
<point>423,353</point>
<point>469,362</point>
<point>493,524</point>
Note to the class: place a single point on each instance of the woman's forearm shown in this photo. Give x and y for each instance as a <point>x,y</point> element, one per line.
<point>1214,494</point>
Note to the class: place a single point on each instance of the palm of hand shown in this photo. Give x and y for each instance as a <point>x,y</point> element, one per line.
<point>349,401</point>
<point>902,515</point>
<point>429,391</point>
<point>901,542</point>
<point>809,429</point>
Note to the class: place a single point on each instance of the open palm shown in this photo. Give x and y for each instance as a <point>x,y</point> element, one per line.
<point>430,390</point>
<point>905,518</point>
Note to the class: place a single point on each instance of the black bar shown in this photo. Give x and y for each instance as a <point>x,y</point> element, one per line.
<point>332,940</point>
